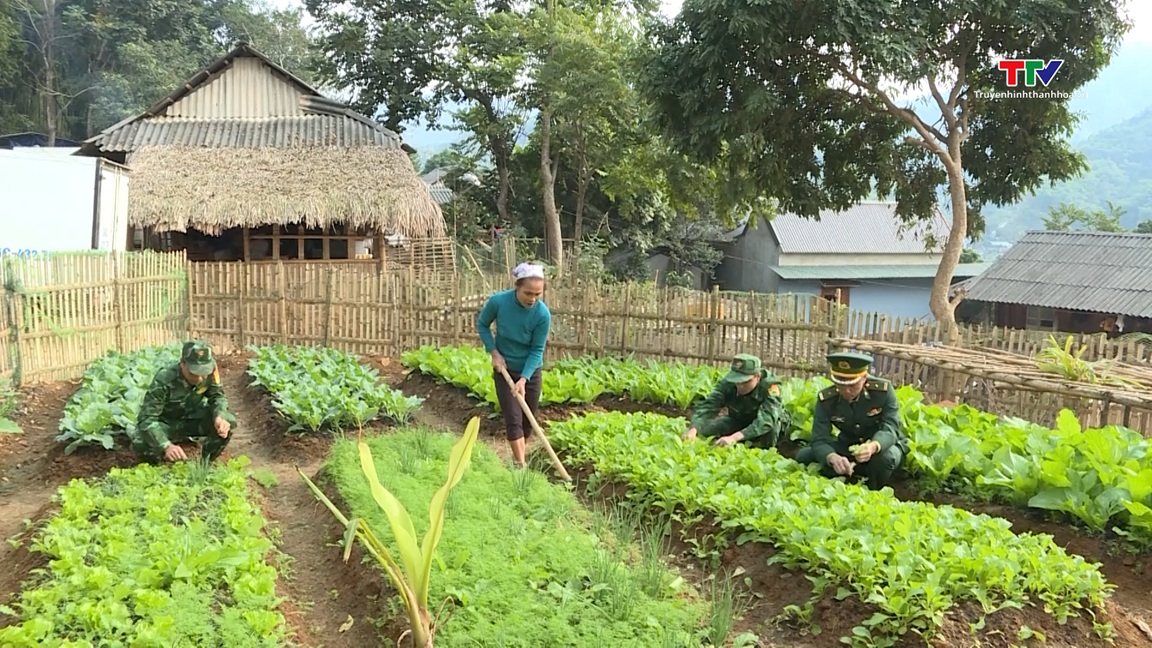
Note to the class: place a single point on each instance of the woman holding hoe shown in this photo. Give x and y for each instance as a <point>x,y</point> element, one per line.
<point>522,324</point>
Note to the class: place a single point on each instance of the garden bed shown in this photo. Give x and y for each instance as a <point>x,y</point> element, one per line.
<point>152,555</point>
<point>521,563</point>
<point>1127,568</point>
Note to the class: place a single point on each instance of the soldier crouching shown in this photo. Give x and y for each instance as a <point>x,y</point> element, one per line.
<point>185,402</point>
<point>871,442</point>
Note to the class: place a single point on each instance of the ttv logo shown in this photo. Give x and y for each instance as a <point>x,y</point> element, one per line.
<point>1033,70</point>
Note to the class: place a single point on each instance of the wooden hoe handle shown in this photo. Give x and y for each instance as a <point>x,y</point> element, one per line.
<point>535,426</point>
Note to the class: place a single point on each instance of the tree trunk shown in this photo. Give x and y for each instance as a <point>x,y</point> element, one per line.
<point>49,90</point>
<point>552,236</point>
<point>505,181</point>
<point>584,179</point>
<point>943,308</point>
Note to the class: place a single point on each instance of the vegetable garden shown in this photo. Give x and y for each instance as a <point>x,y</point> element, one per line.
<point>246,553</point>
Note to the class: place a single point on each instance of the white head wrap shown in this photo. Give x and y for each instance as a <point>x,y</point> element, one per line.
<point>526,270</point>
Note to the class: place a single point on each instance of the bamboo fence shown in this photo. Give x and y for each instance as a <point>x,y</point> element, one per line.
<point>1014,385</point>
<point>61,311</point>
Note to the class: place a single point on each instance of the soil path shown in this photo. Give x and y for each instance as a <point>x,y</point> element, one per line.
<point>331,604</point>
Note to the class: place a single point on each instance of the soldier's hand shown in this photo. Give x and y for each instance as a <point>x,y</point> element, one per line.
<point>690,434</point>
<point>866,451</point>
<point>840,464</point>
<point>498,361</point>
<point>726,440</point>
<point>222,426</point>
<point>174,453</point>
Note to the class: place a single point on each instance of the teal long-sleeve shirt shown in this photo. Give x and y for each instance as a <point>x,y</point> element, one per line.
<point>521,333</point>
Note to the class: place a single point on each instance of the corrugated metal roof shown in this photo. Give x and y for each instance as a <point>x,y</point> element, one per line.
<point>963,270</point>
<point>1086,271</point>
<point>246,88</point>
<point>441,194</point>
<point>242,100</point>
<point>307,130</point>
<point>867,227</point>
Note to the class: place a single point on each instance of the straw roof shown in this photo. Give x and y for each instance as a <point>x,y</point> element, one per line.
<point>214,189</point>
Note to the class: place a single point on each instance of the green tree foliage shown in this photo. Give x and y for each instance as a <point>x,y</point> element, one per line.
<point>970,256</point>
<point>83,65</point>
<point>804,102</point>
<point>412,58</point>
<point>1065,217</point>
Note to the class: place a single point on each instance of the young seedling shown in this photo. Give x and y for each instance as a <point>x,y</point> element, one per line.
<point>412,574</point>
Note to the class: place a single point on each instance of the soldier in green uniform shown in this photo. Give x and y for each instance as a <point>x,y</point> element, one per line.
<point>756,414</point>
<point>185,402</point>
<point>863,408</point>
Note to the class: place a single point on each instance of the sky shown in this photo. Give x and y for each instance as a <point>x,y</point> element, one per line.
<point>1139,11</point>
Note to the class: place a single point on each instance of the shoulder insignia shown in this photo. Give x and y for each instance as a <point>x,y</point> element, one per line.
<point>216,376</point>
<point>877,384</point>
<point>774,389</point>
<point>826,393</point>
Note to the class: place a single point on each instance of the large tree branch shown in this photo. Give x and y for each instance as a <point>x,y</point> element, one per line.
<point>930,134</point>
<point>947,110</point>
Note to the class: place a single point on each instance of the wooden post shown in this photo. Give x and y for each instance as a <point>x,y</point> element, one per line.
<point>241,311</point>
<point>117,307</point>
<point>13,299</point>
<point>281,286</point>
<point>188,327</point>
<point>624,322</point>
<point>328,307</point>
<point>713,306</point>
<point>454,322</point>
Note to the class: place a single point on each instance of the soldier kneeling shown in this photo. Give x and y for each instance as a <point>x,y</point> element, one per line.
<point>871,442</point>
<point>185,402</point>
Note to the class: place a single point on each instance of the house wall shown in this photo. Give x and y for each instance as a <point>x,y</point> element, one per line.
<point>857,259</point>
<point>747,260</point>
<point>660,264</point>
<point>895,297</point>
<point>246,89</point>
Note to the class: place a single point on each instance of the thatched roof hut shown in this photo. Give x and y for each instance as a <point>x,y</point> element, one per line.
<point>245,144</point>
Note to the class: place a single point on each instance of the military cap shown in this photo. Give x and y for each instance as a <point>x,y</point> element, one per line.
<point>744,368</point>
<point>849,367</point>
<point>197,356</point>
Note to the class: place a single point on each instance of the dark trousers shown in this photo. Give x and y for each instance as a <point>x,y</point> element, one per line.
<point>877,471</point>
<point>514,420</point>
<point>200,427</point>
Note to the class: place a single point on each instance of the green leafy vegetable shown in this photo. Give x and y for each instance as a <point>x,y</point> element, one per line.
<point>1094,476</point>
<point>913,560</point>
<point>318,388</point>
<point>153,556</point>
<point>110,395</point>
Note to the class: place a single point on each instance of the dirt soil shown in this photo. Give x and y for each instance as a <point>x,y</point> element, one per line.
<point>324,593</point>
<point>773,588</point>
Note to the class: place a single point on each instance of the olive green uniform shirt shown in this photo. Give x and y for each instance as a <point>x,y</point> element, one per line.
<point>760,413</point>
<point>873,416</point>
<point>172,402</point>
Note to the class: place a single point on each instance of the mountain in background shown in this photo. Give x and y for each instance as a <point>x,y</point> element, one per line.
<point>1118,94</point>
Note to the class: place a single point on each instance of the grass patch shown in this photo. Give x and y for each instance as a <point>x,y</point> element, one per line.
<point>518,564</point>
<point>152,556</point>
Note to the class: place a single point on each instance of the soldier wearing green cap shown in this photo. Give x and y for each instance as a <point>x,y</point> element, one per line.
<point>756,414</point>
<point>864,410</point>
<point>184,402</point>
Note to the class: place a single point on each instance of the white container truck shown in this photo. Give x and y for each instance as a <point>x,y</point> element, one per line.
<point>54,201</point>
